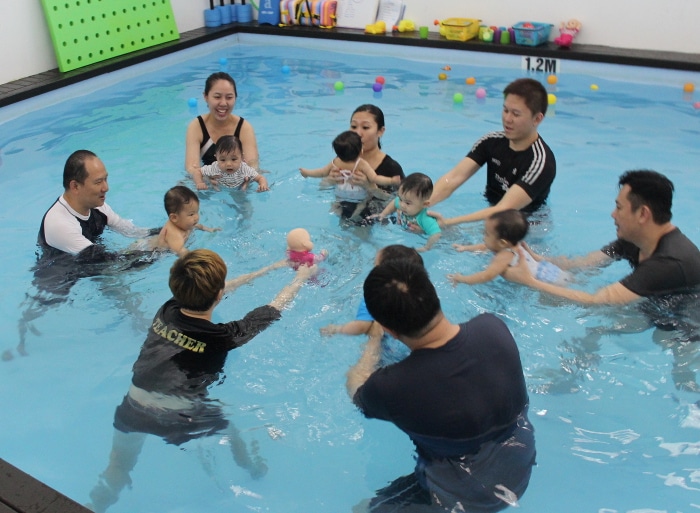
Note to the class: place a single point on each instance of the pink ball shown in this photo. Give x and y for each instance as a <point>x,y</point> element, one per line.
<point>376,87</point>
<point>481,93</point>
<point>696,105</point>
<point>380,80</point>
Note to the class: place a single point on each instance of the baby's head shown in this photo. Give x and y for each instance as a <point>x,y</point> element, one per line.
<point>347,146</point>
<point>505,229</point>
<point>182,206</point>
<point>299,240</point>
<point>229,153</point>
<point>414,193</point>
<point>197,280</point>
<point>396,252</point>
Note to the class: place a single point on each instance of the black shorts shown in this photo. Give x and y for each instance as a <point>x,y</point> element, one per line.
<point>174,426</point>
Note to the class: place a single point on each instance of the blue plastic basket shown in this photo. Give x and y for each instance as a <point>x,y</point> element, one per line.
<point>531,36</point>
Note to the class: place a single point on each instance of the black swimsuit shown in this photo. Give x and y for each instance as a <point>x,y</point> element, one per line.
<point>207,148</point>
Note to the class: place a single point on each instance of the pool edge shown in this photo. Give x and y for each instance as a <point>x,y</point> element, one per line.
<point>35,85</point>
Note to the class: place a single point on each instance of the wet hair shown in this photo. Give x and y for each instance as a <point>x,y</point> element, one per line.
<point>510,225</point>
<point>228,144</point>
<point>177,197</point>
<point>215,77</point>
<point>75,167</point>
<point>531,91</point>
<point>197,278</point>
<point>400,296</point>
<point>419,184</point>
<point>651,189</point>
<point>376,113</point>
<point>399,252</point>
<point>348,146</point>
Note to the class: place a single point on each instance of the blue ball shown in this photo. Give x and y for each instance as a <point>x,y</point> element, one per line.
<point>192,102</point>
<point>285,69</point>
<point>223,61</point>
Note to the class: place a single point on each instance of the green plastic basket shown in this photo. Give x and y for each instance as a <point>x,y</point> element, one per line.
<point>88,31</point>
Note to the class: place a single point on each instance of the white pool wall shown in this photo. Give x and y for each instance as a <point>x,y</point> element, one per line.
<point>633,24</point>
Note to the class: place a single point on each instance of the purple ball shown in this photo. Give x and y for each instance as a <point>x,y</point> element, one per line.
<point>376,87</point>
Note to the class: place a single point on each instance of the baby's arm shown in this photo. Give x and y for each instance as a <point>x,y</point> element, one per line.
<point>388,210</point>
<point>498,266</point>
<point>206,228</point>
<point>172,238</point>
<point>349,328</point>
<point>262,183</point>
<point>316,173</point>
<point>431,241</point>
<point>470,247</point>
<point>373,177</point>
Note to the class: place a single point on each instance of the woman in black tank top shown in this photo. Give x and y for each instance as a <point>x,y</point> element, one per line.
<point>203,131</point>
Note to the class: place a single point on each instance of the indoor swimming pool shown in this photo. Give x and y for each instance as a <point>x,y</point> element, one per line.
<point>615,430</point>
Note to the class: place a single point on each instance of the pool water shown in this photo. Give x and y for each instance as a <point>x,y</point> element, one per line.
<point>614,434</point>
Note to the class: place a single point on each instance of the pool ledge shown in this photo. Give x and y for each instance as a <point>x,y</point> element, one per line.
<point>28,87</point>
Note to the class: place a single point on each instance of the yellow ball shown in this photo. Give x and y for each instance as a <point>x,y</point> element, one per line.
<point>688,87</point>
<point>470,81</point>
<point>442,76</point>
<point>552,79</point>
<point>594,87</point>
<point>551,99</point>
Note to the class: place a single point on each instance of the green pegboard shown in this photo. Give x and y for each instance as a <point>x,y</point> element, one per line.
<point>88,31</point>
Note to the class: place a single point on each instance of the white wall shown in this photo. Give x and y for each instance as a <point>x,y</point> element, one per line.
<point>668,25</point>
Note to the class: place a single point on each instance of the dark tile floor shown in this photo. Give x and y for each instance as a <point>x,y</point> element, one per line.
<point>28,87</point>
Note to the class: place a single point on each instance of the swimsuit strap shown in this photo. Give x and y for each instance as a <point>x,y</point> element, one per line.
<point>356,163</point>
<point>237,131</point>
<point>205,132</point>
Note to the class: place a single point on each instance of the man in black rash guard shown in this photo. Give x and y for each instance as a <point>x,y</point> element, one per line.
<point>460,396</point>
<point>182,357</point>
<point>664,261</point>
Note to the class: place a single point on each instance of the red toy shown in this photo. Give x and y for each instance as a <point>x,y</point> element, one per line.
<point>299,248</point>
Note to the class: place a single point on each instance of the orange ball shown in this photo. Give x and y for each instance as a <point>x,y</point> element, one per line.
<point>552,79</point>
<point>688,87</point>
<point>470,81</point>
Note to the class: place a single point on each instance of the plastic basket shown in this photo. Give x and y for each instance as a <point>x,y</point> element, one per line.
<point>460,29</point>
<point>533,34</point>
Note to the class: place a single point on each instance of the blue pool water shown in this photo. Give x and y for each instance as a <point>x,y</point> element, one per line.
<point>613,433</point>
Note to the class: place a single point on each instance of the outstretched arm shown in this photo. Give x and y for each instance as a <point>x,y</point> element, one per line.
<point>320,172</point>
<point>288,293</point>
<point>368,362</point>
<point>234,283</point>
<point>355,327</point>
<point>616,293</point>
<point>498,266</point>
<point>250,145</point>
<point>516,198</point>
<point>449,182</point>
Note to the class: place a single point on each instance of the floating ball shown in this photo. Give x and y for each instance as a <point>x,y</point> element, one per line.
<point>470,81</point>
<point>380,80</point>
<point>688,87</point>
<point>223,61</point>
<point>552,79</point>
<point>442,76</point>
<point>338,86</point>
<point>192,102</point>
<point>376,87</point>
<point>481,93</point>
<point>696,105</point>
<point>594,87</point>
<point>458,98</point>
<point>551,99</point>
<point>285,69</point>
